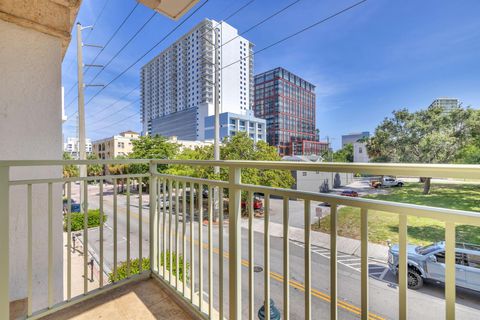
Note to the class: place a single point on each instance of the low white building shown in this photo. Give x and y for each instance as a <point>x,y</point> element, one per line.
<point>317,181</point>
<point>360,153</point>
<point>190,144</point>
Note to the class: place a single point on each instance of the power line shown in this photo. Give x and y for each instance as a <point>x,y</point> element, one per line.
<point>254,26</point>
<point>123,47</point>
<point>98,18</point>
<point>297,33</point>
<point>110,105</point>
<point>239,9</point>
<point>150,50</point>
<point>113,35</point>
<point>117,101</point>
<point>71,63</point>
<point>261,50</point>
<point>112,124</point>
<point>173,30</point>
<point>122,108</point>
<point>88,35</point>
<point>71,88</point>
<point>164,38</point>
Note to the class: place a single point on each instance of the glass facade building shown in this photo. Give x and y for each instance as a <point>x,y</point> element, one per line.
<point>287,103</point>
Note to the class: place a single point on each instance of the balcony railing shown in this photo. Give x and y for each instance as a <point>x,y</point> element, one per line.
<point>173,243</point>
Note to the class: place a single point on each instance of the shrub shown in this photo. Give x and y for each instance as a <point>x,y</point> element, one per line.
<point>135,264</point>
<point>134,269</point>
<point>77,220</point>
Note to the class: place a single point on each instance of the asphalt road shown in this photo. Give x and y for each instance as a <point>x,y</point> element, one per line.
<point>383,290</point>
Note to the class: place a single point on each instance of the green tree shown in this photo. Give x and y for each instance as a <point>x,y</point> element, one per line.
<point>345,154</point>
<point>119,169</point>
<point>241,147</point>
<point>238,147</point>
<point>70,170</point>
<point>470,153</point>
<point>94,170</point>
<point>198,153</point>
<point>433,135</point>
<point>152,147</point>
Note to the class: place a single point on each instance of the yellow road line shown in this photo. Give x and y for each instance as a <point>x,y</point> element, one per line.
<point>316,293</point>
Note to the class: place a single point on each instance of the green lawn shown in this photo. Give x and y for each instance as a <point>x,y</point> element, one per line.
<point>383,226</point>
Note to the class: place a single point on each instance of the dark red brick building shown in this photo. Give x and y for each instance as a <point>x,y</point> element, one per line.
<point>287,103</point>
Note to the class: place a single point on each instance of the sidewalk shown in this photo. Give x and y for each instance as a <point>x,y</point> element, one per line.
<point>77,270</point>
<point>344,245</point>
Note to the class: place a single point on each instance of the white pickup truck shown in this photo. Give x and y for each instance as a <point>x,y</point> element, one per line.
<point>386,182</point>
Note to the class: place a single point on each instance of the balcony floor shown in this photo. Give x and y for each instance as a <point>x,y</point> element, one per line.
<point>143,299</point>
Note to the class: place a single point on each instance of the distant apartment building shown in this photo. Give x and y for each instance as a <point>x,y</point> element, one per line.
<point>177,86</point>
<point>72,146</point>
<point>447,103</point>
<point>112,147</point>
<point>232,123</point>
<point>287,103</point>
<point>351,138</point>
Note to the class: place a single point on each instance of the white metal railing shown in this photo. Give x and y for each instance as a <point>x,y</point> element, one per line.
<point>172,239</point>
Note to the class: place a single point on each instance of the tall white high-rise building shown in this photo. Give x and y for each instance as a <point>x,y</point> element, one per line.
<point>177,86</point>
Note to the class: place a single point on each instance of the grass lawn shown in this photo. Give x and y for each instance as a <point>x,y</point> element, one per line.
<point>383,226</point>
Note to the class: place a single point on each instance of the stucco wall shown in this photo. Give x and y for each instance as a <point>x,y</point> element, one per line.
<point>313,180</point>
<point>30,128</point>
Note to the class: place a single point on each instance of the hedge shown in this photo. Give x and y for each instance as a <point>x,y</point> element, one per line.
<point>135,264</point>
<point>77,220</point>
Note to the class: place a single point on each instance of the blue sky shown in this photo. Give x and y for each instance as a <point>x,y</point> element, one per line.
<point>378,57</point>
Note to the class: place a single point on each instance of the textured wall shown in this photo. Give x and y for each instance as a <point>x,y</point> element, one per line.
<point>31,128</point>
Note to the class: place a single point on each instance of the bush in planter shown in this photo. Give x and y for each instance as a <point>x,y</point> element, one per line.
<point>77,220</point>
<point>135,267</point>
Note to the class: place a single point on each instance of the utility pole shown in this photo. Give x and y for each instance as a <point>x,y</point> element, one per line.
<point>216,141</point>
<point>216,138</point>
<point>81,112</point>
<point>81,106</point>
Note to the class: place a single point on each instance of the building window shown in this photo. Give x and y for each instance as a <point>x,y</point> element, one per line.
<point>304,173</point>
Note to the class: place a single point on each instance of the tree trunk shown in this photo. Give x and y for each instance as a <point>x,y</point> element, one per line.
<point>426,186</point>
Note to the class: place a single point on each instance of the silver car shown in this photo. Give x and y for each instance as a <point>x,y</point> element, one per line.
<point>428,262</point>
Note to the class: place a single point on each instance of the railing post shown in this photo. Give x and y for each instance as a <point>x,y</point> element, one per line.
<point>4,243</point>
<point>450,242</point>
<point>234,240</point>
<point>152,221</point>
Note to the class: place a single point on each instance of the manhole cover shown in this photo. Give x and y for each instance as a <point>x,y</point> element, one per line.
<point>257,269</point>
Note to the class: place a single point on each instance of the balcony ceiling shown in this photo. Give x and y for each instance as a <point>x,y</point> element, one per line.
<point>53,17</point>
<point>173,9</point>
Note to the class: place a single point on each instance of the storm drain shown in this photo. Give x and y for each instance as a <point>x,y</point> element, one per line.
<point>257,269</point>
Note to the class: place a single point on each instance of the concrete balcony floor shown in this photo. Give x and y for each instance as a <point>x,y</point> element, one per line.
<point>144,299</point>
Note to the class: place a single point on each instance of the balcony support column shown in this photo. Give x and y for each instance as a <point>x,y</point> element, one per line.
<point>235,246</point>
<point>4,243</point>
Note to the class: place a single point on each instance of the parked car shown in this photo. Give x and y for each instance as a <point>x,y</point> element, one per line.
<point>428,262</point>
<point>324,204</point>
<point>257,203</point>
<point>386,182</point>
<point>349,193</point>
<point>163,204</point>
